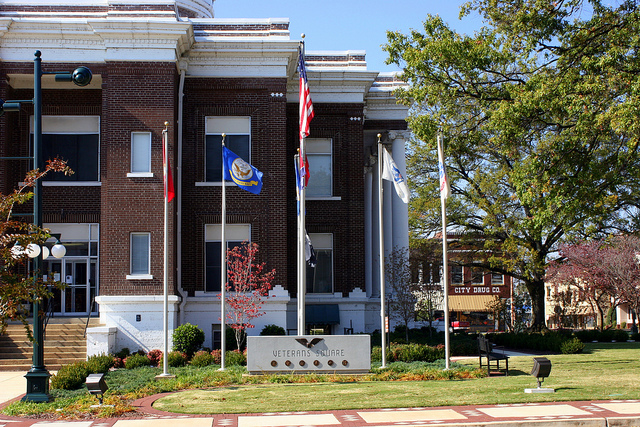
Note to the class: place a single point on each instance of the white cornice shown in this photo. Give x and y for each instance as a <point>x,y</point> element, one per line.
<point>247,58</point>
<point>96,40</point>
<point>335,86</point>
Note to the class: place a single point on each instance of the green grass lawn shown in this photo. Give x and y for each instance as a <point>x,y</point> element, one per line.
<point>602,372</point>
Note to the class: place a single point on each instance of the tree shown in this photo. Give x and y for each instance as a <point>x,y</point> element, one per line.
<point>402,299</point>
<point>426,263</point>
<point>579,268</point>
<point>17,286</point>
<point>622,264</point>
<point>247,287</point>
<point>540,113</point>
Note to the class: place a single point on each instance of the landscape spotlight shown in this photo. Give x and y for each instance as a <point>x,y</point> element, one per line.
<point>541,370</point>
<point>96,385</point>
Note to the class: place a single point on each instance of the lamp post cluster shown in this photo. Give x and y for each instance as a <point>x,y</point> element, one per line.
<point>38,375</point>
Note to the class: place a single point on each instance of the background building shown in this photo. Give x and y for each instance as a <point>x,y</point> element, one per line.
<point>172,61</point>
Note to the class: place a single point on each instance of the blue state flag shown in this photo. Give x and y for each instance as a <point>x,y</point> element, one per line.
<point>242,173</point>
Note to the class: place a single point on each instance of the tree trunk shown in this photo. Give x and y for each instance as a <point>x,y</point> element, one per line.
<point>536,291</point>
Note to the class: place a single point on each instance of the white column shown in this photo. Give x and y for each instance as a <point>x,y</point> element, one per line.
<point>368,231</point>
<point>375,247</point>
<point>400,210</point>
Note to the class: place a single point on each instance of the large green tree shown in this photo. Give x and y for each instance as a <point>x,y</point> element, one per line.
<point>540,112</point>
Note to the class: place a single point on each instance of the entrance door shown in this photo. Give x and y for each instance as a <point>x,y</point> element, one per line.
<point>79,276</point>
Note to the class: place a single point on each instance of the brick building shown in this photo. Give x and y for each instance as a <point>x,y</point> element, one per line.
<point>157,61</point>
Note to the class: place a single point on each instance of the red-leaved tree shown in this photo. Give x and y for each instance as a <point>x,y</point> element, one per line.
<point>247,288</point>
<point>621,262</point>
<point>580,271</point>
<point>17,286</point>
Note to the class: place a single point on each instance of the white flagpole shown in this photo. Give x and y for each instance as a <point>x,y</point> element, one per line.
<point>383,331</point>
<point>165,305</point>
<point>223,268</point>
<point>302,271</point>
<point>445,260</point>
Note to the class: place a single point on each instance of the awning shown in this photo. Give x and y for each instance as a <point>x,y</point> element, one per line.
<point>470,302</point>
<point>322,314</point>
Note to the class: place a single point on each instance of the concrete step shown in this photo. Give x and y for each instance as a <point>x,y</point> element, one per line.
<point>64,343</point>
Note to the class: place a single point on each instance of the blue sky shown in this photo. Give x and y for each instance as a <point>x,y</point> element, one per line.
<point>349,24</point>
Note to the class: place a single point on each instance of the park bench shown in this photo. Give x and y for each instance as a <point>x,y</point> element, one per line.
<point>488,351</point>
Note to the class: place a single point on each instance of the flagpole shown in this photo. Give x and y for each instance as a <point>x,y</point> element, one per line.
<point>165,305</point>
<point>445,256</point>
<point>383,329</point>
<point>223,266</point>
<point>302,272</point>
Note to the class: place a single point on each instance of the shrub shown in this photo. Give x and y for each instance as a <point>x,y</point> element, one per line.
<point>154,357</point>
<point>70,377</point>
<point>176,359</point>
<point>187,339</point>
<point>606,335</point>
<point>100,364</point>
<point>273,330</point>
<point>623,325</point>
<point>217,356</point>
<point>235,357</point>
<point>636,336</point>
<point>202,359</point>
<point>123,353</point>
<point>620,335</point>
<point>136,361</point>
<point>589,335</point>
<point>118,363</point>
<point>572,346</point>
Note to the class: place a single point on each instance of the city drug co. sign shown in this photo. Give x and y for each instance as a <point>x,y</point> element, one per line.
<point>309,353</point>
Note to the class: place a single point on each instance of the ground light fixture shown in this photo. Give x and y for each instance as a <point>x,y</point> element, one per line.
<point>541,370</point>
<point>96,385</point>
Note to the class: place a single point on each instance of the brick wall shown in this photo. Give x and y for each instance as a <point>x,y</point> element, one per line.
<point>266,212</point>
<point>135,97</point>
<point>344,218</point>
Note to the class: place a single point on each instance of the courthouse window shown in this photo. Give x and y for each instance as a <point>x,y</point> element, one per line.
<point>320,157</point>
<point>320,278</point>
<point>238,140</point>
<point>140,254</point>
<point>235,235</point>
<point>140,152</point>
<point>75,139</point>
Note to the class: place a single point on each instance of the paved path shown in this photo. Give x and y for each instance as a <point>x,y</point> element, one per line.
<point>611,413</point>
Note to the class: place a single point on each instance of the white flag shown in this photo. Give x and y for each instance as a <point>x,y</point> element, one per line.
<point>390,172</point>
<point>445,189</point>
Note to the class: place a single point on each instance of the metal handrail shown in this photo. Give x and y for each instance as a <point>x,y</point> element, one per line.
<point>86,326</point>
<point>48,314</point>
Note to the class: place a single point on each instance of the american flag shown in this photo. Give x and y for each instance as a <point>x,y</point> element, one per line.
<point>306,106</point>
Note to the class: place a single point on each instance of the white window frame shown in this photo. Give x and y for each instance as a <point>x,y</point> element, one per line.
<point>140,147</point>
<point>461,282</point>
<point>473,270</point>
<point>229,125</point>
<point>311,151</point>
<point>139,276</point>
<point>494,280</point>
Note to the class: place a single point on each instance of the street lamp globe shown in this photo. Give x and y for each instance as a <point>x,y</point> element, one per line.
<point>58,250</point>
<point>33,250</point>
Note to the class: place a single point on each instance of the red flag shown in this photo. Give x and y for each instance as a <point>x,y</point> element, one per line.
<point>169,192</point>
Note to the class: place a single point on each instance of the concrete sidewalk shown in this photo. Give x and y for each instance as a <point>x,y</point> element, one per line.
<point>556,414</point>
